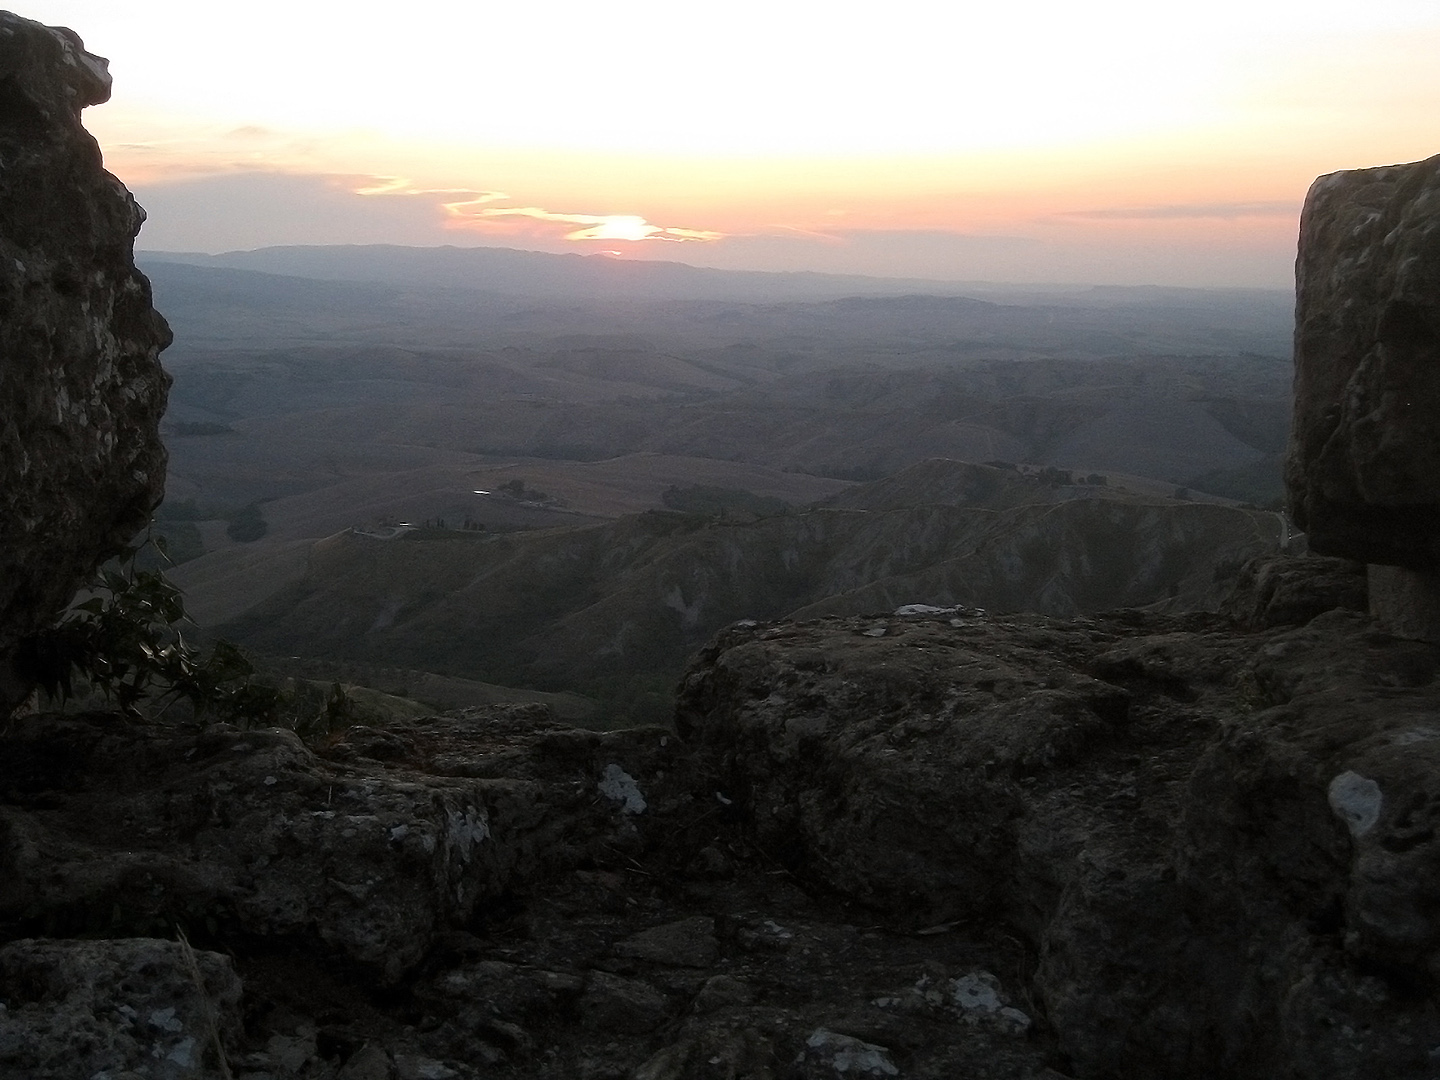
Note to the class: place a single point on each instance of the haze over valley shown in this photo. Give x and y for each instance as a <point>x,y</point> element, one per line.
<point>475,473</point>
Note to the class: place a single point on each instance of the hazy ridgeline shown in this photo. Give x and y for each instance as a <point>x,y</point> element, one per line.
<point>669,449</point>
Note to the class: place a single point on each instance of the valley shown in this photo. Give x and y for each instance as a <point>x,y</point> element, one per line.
<point>562,477</point>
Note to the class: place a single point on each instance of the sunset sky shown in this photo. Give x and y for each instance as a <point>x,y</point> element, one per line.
<point>1109,142</point>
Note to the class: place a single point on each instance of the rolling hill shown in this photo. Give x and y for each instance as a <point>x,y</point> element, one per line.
<point>612,610</point>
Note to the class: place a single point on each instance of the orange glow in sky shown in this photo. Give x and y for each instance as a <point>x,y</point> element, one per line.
<point>1113,142</point>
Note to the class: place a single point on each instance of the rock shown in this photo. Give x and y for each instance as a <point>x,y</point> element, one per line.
<point>81,387</point>
<point>99,1008</point>
<point>627,1006</point>
<point>368,1063</point>
<point>1275,590</point>
<point>245,835</point>
<point>828,1056</point>
<point>1213,841</point>
<point>981,999</point>
<point>891,767</point>
<point>417,1067</point>
<point>720,991</point>
<point>686,943</point>
<point>723,1052</point>
<point>1407,602</point>
<point>1364,458</point>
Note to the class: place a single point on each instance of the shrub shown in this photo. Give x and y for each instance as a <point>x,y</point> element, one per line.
<point>125,642</point>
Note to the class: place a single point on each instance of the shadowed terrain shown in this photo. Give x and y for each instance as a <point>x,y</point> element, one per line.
<point>565,473</point>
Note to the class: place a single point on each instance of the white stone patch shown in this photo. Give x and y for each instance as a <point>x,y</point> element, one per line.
<point>165,1020</point>
<point>689,613</point>
<point>619,785</point>
<point>183,1053</point>
<point>979,998</point>
<point>409,1067</point>
<point>1357,800</point>
<point>850,1057</point>
<point>977,992</point>
<point>925,609</point>
<point>1415,735</point>
<point>465,831</point>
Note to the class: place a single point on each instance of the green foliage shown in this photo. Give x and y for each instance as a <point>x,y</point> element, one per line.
<point>722,502</point>
<point>1053,477</point>
<point>174,542</point>
<point>124,642</point>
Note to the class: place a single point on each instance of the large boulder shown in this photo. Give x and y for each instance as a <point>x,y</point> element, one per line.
<point>1364,465</point>
<point>81,387</point>
<point>1218,846</point>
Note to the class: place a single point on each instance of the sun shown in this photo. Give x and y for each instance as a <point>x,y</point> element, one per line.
<point>617,227</point>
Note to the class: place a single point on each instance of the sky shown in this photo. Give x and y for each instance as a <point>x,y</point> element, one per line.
<point>1109,142</point>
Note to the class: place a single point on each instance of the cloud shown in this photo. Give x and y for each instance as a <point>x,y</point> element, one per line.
<point>1185,211</point>
<point>400,185</point>
<point>631,227</point>
<point>476,210</point>
<point>241,210</point>
<point>251,131</point>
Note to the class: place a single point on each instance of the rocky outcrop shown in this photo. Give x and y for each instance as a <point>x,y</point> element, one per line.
<point>1364,465</point>
<point>927,845</point>
<point>81,388</point>
<point>484,894</point>
<point>1283,590</point>
<point>249,836</point>
<point>1218,846</point>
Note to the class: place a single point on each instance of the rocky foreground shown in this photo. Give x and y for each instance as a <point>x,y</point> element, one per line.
<point>926,845</point>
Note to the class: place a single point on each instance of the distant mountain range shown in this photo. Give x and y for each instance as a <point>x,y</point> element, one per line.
<point>543,276</point>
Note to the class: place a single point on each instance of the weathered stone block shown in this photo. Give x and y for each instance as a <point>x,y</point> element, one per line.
<point>1364,464</point>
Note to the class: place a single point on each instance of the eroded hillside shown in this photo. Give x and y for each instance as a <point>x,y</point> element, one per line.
<point>521,436</point>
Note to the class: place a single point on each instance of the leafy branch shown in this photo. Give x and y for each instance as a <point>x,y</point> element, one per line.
<point>125,641</point>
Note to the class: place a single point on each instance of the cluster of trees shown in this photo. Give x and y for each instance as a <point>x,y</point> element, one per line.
<point>468,525</point>
<point>722,502</point>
